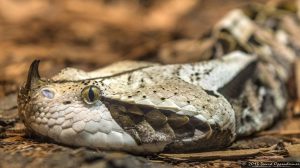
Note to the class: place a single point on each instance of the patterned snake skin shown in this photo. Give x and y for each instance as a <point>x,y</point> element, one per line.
<point>143,107</point>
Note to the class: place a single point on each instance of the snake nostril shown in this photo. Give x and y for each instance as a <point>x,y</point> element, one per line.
<point>67,102</point>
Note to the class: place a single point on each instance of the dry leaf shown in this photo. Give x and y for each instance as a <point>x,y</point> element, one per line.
<point>224,155</point>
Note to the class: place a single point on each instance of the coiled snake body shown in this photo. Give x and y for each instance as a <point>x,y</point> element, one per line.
<point>144,107</point>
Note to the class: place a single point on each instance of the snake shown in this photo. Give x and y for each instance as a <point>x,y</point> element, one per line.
<point>144,107</point>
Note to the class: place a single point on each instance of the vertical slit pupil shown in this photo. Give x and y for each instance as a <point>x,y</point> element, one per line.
<point>91,94</point>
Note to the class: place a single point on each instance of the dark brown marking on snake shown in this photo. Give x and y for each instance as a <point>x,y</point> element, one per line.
<point>211,93</point>
<point>66,102</point>
<point>156,119</point>
<point>218,139</point>
<point>147,124</point>
<point>177,121</point>
<point>135,110</point>
<point>234,88</point>
<point>208,71</point>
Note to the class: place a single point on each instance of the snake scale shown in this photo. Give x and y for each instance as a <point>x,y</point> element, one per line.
<point>144,107</point>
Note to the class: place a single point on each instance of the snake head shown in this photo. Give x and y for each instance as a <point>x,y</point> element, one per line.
<point>68,112</point>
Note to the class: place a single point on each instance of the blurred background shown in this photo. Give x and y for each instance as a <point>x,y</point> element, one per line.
<point>94,33</point>
<point>90,34</point>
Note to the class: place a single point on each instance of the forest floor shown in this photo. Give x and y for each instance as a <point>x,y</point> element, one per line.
<point>92,34</point>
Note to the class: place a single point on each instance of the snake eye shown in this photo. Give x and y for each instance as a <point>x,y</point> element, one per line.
<point>90,94</point>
